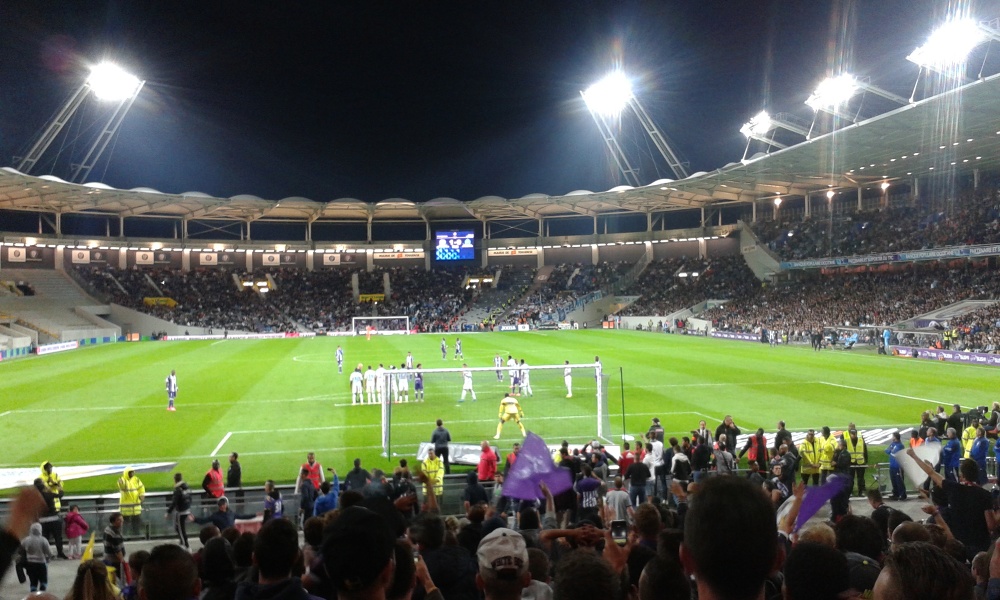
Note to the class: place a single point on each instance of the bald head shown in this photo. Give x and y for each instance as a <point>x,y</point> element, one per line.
<point>910,531</point>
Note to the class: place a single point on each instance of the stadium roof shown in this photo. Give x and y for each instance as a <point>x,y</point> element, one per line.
<point>954,130</point>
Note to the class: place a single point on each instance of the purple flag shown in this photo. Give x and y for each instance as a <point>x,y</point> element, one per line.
<point>533,466</point>
<point>816,496</point>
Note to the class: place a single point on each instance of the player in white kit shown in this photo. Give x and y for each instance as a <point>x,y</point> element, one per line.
<point>525,379</point>
<point>370,385</point>
<point>393,383</point>
<point>403,385</point>
<point>357,379</point>
<point>380,384</point>
<point>467,384</point>
<point>568,379</point>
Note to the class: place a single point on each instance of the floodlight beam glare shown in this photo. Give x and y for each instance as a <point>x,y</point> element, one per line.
<point>833,92</point>
<point>949,44</point>
<point>110,82</point>
<point>609,96</point>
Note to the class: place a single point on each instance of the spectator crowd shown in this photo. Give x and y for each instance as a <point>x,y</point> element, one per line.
<point>676,521</point>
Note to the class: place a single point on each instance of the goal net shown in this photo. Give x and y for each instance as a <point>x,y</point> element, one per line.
<point>397,325</point>
<point>558,401</point>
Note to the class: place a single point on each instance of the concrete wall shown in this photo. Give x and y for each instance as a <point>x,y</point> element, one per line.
<point>614,254</point>
<point>133,321</point>
<point>675,250</point>
<point>559,256</point>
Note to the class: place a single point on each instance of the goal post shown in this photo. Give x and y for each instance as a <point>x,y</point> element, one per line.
<point>392,325</point>
<point>587,382</point>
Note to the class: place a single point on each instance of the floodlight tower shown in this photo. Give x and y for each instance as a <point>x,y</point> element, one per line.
<point>107,82</point>
<point>835,92</point>
<point>948,47</point>
<point>609,97</point>
<point>762,124</point>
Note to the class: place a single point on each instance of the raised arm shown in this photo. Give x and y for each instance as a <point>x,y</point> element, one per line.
<point>934,475</point>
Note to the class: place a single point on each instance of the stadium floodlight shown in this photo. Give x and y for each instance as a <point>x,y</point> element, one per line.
<point>609,96</point>
<point>949,45</point>
<point>107,82</point>
<point>758,125</point>
<point>777,202</point>
<point>833,92</point>
<point>111,83</point>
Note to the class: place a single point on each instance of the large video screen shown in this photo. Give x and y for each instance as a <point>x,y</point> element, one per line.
<point>454,245</point>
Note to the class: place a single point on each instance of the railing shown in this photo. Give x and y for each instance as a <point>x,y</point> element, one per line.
<point>629,278</point>
<point>154,522</point>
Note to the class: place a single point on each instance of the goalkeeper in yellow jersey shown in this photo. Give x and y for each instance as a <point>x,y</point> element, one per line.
<point>510,408</point>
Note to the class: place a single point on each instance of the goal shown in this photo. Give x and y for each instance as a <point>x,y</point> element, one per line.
<point>396,325</point>
<point>549,411</point>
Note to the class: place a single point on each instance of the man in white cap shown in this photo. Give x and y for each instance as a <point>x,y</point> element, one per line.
<point>503,565</point>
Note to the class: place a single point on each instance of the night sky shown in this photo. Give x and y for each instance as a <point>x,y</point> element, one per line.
<point>374,100</point>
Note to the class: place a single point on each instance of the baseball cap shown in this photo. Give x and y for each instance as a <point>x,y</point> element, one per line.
<point>358,546</point>
<point>504,553</point>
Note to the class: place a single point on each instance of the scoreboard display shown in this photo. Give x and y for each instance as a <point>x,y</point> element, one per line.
<point>454,245</point>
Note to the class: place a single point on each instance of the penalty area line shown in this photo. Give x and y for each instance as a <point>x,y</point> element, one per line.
<point>861,389</point>
<point>222,443</point>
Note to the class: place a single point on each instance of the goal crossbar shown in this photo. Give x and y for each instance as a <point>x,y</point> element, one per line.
<point>376,330</point>
<point>603,426</point>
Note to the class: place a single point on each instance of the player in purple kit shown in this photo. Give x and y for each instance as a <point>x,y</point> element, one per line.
<point>418,385</point>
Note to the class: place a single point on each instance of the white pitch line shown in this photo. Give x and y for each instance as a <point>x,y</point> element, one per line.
<point>861,389</point>
<point>5,413</point>
<point>222,443</point>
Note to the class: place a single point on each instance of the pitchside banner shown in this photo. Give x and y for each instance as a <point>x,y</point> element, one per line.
<point>977,358</point>
<point>872,259</point>
<point>746,337</point>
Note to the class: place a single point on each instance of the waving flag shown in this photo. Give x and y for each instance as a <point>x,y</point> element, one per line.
<point>534,466</point>
<point>816,496</point>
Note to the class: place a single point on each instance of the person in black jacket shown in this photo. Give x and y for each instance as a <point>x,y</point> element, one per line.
<point>840,504</point>
<point>223,517</point>
<point>52,524</point>
<point>180,508</point>
<point>701,458</point>
<point>730,430</point>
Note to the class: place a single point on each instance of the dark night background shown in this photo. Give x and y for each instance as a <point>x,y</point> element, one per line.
<point>423,99</point>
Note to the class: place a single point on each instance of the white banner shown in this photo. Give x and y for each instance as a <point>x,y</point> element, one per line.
<point>15,255</point>
<point>331,260</point>
<point>398,255</point>
<point>271,259</point>
<point>60,347</point>
<point>523,327</point>
<point>143,258</point>
<point>24,476</point>
<point>81,257</point>
<point>512,252</point>
<point>208,258</point>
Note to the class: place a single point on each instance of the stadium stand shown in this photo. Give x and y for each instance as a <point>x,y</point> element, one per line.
<point>867,299</point>
<point>970,218</point>
<point>663,291</point>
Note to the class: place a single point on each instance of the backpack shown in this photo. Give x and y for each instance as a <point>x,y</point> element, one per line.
<point>682,470</point>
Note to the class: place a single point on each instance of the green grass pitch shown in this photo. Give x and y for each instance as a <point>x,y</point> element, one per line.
<point>278,399</point>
